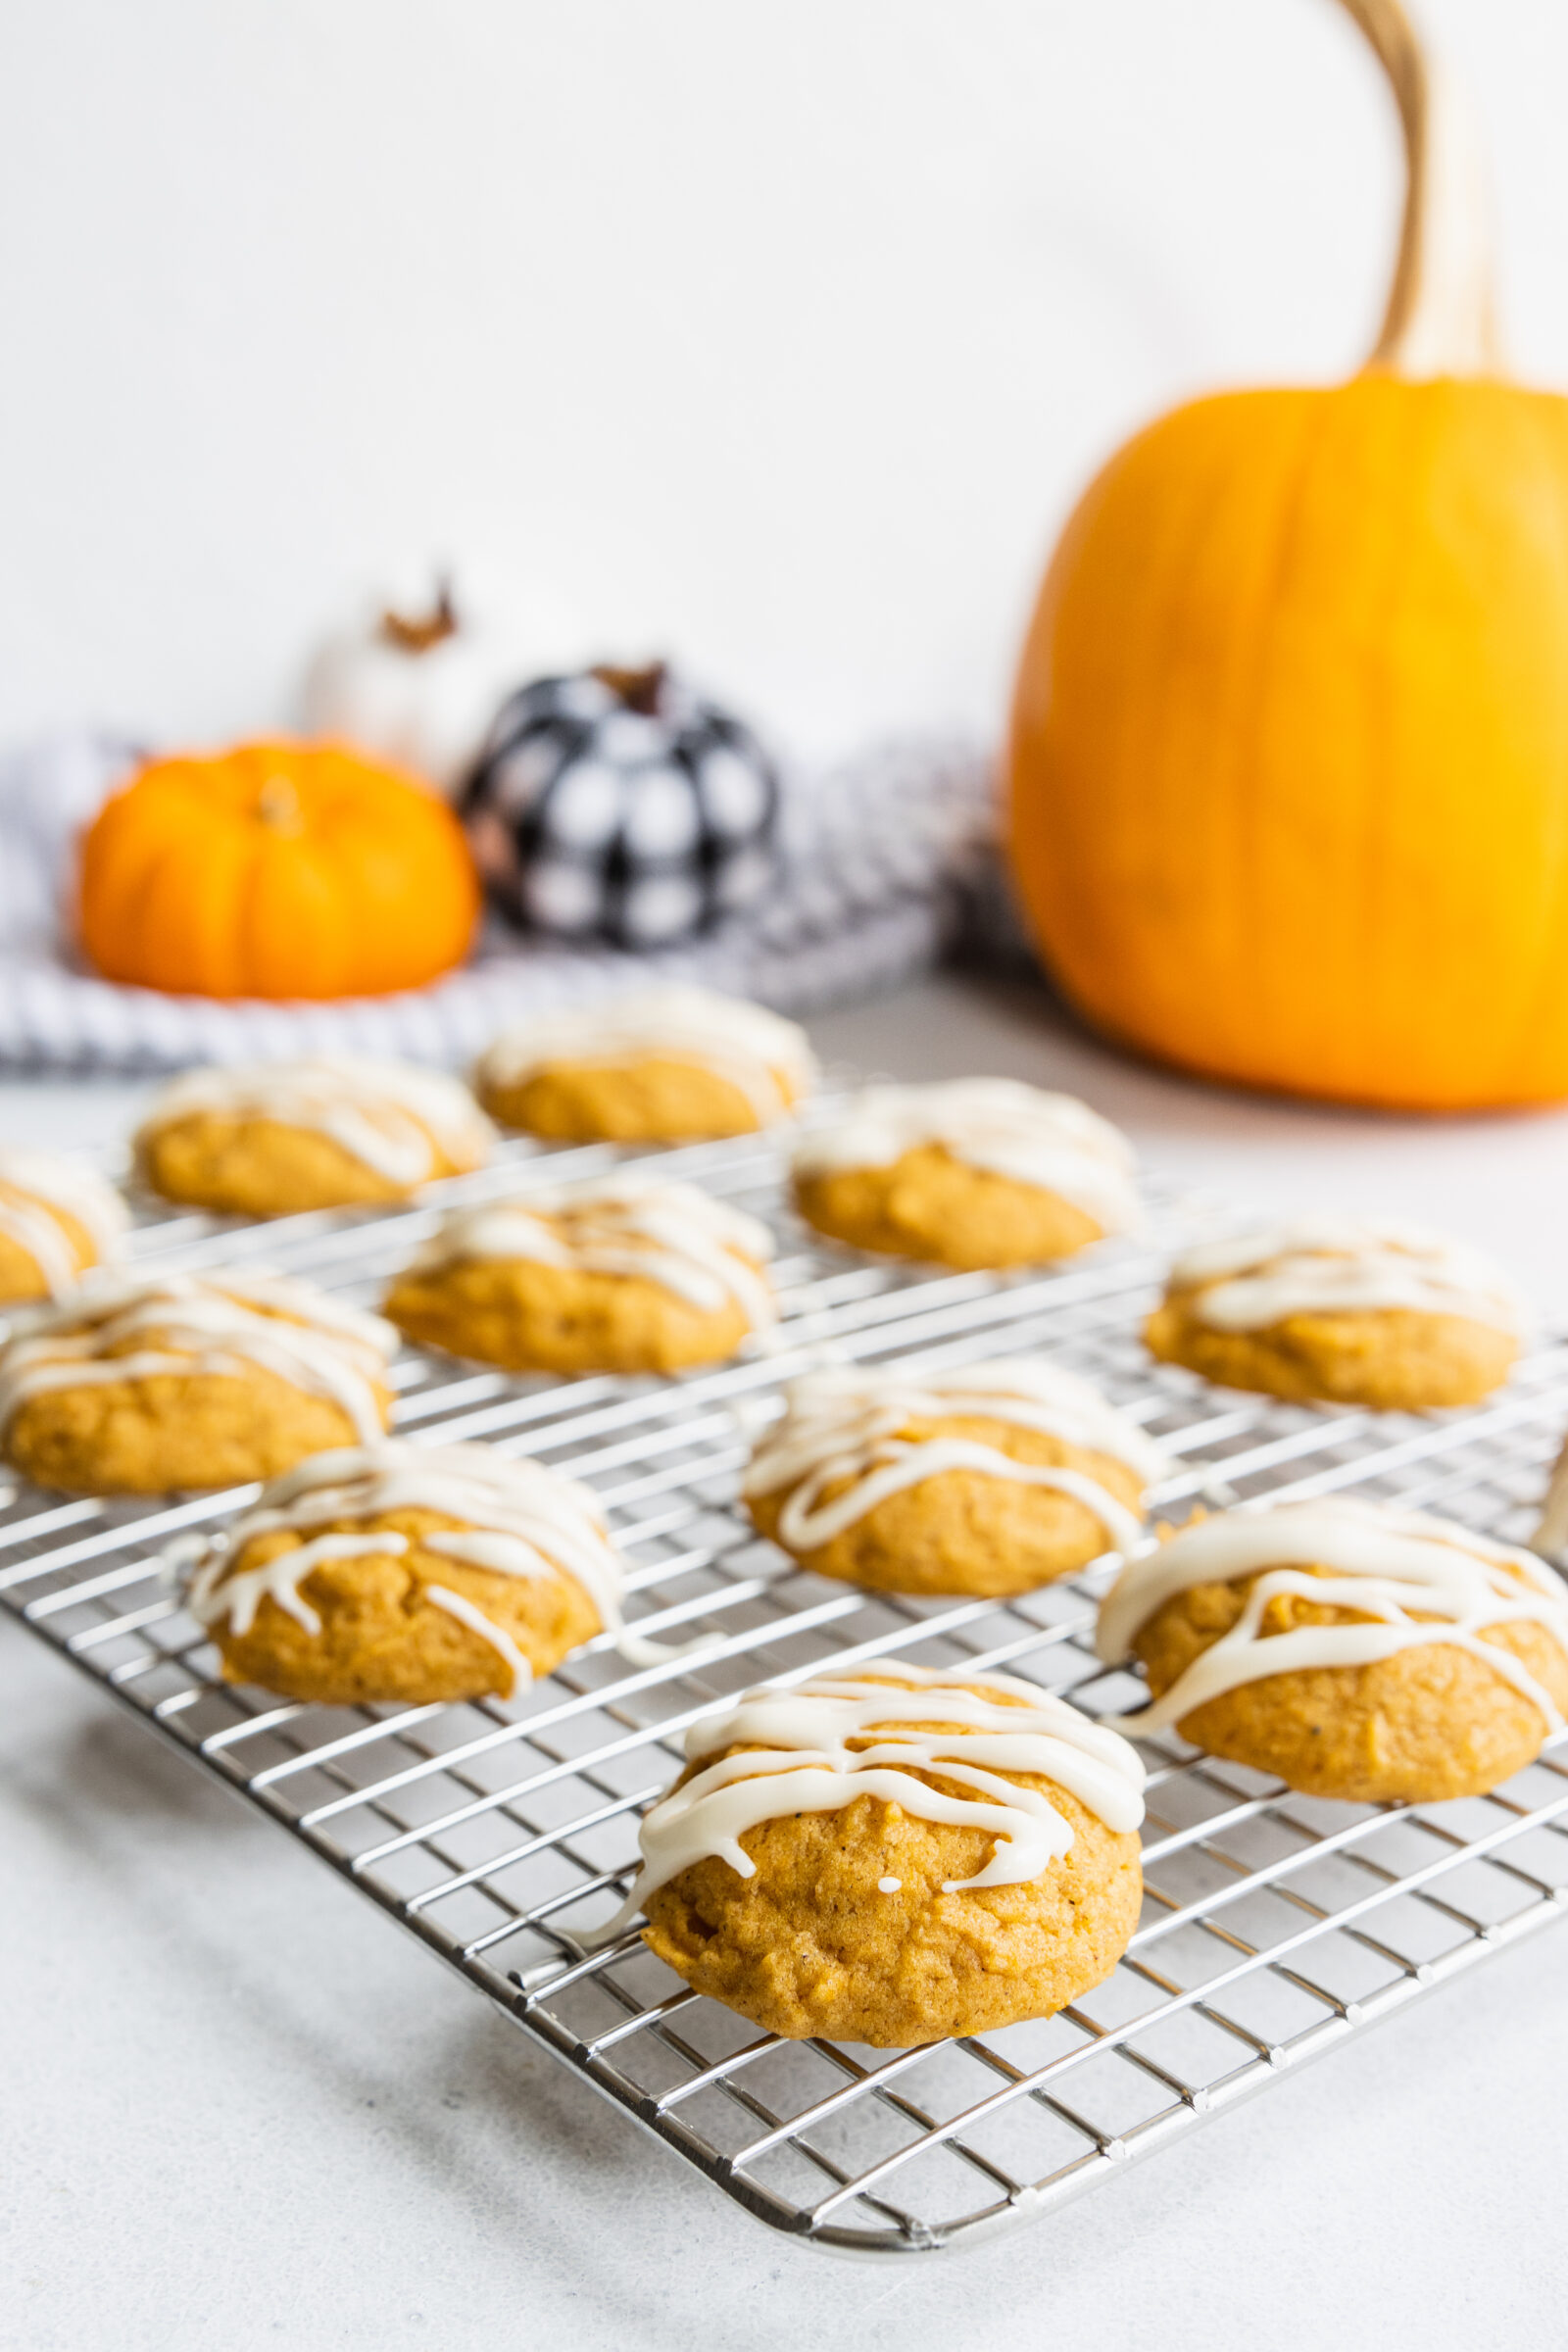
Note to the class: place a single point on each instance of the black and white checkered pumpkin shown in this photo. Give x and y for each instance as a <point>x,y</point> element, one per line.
<point>620,805</point>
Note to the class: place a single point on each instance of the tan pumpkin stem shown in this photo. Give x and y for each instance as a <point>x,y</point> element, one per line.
<point>1441,318</point>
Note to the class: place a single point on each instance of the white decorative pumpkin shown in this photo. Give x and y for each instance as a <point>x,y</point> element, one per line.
<point>418,678</point>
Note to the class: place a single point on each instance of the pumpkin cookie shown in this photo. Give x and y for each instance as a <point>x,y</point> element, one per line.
<point>852,1858</point>
<point>974,1172</point>
<point>630,1274</point>
<point>986,1478</point>
<point>134,1386</point>
<point>281,1137</point>
<point>57,1218</point>
<point>669,1065</point>
<point>1357,1651</point>
<point>411,1573</point>
<point>1351,1310</point>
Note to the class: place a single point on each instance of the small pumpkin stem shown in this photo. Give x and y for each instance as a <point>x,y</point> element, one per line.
<point>277,805</point>
<point>640,690</point>
<point>1441,318</point>
<point>418,633</point>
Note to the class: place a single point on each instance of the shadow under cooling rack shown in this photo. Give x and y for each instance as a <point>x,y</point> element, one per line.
<point>1274,1926</point>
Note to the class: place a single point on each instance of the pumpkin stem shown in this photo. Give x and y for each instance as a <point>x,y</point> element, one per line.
<point>418,632</point>
<point>1440,318</point>
<point>639,689</point>
<point>277,805</point>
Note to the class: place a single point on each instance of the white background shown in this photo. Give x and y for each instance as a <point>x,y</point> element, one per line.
<point>778,336</point>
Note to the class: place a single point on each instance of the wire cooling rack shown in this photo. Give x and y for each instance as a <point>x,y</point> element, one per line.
<point>1274,1927</point>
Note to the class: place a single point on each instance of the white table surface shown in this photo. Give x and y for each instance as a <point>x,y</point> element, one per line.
<point>240,2109</point>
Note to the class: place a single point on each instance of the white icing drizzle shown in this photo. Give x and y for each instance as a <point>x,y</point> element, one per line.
<point>996,1124</point>
<point>478,1622</point>
<point>1342,1265</point>
<point>844,1423</point>
<point>388,1116</point>
<point>219,1326</point>
<point>797,1758</point>
<point>281,1578</point>
<point>1419,1580</point>
<point>702,1250</point>
<point>521,1519</point>
<point>35,1189</point>
<point>764,1057</point>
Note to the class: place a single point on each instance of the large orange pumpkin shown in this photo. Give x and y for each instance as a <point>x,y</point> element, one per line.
<point>1289,768</point>
<point>276,869</point>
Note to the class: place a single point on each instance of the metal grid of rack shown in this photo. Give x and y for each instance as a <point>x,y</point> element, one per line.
<point>1274,1927</point>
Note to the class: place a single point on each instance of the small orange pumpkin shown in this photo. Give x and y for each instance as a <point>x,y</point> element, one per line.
<point>276,869</point>
<point>1289,766</point>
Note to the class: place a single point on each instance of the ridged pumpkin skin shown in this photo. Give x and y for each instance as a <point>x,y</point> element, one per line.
<point>1289,769</point>
<point>276,869</point>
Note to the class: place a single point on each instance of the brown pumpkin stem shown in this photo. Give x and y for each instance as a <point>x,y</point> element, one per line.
<point>277,805</point>
<point>639,688</point>
<point>1441,318</point>
<point>418,632</point>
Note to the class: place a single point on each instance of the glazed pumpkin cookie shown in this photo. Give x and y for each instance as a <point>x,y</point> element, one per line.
<point>669,1065</point>
<point>133,1386</point>
<point>57,1218</point>
<point>851,1857</point>
<point>974,1172</point>
<point>989,1478</point>
<point>277,1138</point>
<point>630,1274</point>
<point>413,1573</point>
<point>1357,1651</point>
<point>1355,1311</point>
